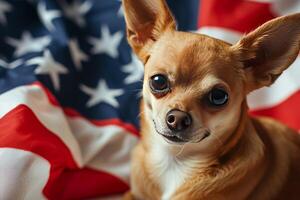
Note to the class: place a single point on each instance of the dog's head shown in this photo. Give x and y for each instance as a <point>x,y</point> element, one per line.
<point>194,85</point>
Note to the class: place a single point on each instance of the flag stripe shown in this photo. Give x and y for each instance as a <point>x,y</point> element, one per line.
<point>288,112</point>
<point>235,15</point>
<point>221,33</point>
<point>83,184</point>
<point>285,86</point>
<point>30,135</point>
<point>116,122</point>
<point>20,172</point>
<point>105,148</point>
<point>52,117</point>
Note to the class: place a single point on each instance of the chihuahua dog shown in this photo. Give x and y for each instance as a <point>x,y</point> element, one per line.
<point>197,139</point>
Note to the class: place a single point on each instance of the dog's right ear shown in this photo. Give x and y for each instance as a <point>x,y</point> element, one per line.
<point>269,50</point>
<point>146,20</point>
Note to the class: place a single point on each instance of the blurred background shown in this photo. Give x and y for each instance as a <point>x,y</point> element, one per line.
<point>70,89</point>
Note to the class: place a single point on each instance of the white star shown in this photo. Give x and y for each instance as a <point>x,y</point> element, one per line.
<point>102,94</point>
<point>77,54</point>
<point>4,7</point>
<point>28,44</point>
<point>47,65</point>
<point>121,10</point>
<point>107,43</point>
<point>135,69</point>
<point>76,11</point>
<point>12,64</point>
<point>47,16</point>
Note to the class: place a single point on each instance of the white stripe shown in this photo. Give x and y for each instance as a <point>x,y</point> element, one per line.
<point>104,148</point>
<point>50,116</point>
<point>282,7</point>
<point>221,33</point>
<point>23,175</point>
<point>286,85</point>
<point>285,7</point>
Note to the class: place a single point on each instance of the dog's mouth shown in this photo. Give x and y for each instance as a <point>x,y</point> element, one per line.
<point>173,138</point>
<point>177,139</point>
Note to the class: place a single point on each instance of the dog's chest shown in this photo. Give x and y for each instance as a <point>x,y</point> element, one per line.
<point>171,179</point>
<point>171,173</point>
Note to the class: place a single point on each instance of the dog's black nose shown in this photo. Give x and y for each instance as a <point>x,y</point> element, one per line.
<point>178,120</point>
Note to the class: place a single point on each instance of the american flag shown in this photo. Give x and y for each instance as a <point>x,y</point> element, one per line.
<point>70,90</point>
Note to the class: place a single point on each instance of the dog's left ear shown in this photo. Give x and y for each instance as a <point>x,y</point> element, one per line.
<point>146,21</point>
<point>267,51</point>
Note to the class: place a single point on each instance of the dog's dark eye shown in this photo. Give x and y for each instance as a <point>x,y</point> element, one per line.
<point>159,84</point>
<point>217,97</point>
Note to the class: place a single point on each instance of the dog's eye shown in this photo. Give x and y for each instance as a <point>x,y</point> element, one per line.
<point>159,84</point>
<point>217,97</point>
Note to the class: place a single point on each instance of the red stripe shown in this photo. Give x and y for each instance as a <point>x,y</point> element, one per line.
<point>24,131</point>
<point>85,183</point>
<point>107,122</point>
<point>242,16</point>
<point>288,112</point>
<point>66,180</point>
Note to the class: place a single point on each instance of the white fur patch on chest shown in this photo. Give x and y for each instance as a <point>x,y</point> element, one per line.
<point>171,179</point>
<point>171,172</point>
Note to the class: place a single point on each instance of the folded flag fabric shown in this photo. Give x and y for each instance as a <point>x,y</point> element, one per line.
<point>70,89</point>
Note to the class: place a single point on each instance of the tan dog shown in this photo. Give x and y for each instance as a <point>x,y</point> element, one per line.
<point>198,141</point>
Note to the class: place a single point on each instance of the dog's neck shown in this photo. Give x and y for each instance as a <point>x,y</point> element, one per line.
<point>233,143</point>
<point>242,148</point>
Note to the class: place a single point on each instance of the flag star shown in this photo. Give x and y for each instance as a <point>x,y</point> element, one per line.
<point>4,7</point>
<point>102,94</point>
<point>47,65</point>
<point>12,64</point>
<point>76,53</point>
<point>47,16</point>
<point>121,9</point>
<point>107,43</point>
<point>76,11</point>
<point>135,69</point>
<point>28,44</point>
